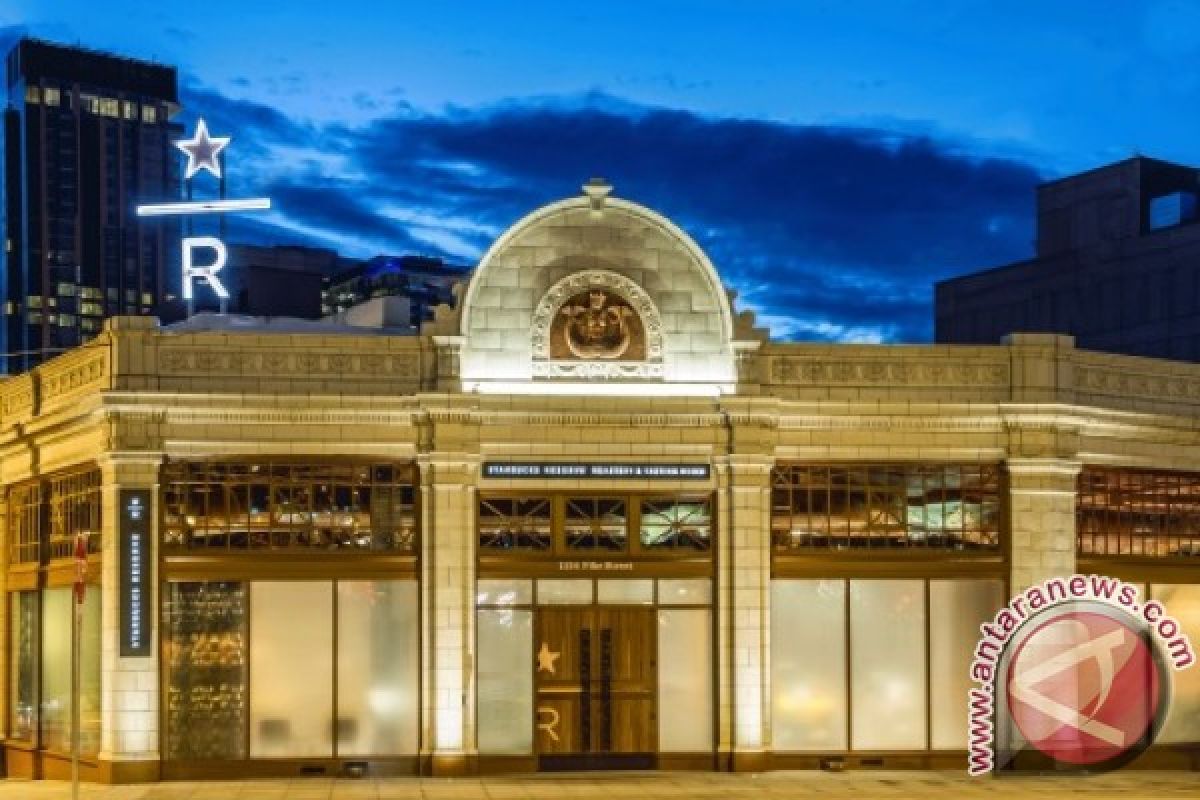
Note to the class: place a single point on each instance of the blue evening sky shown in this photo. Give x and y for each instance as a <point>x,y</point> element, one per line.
<point>834,158</point>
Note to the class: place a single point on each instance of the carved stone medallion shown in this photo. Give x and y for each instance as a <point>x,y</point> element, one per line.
<point>597,324</point>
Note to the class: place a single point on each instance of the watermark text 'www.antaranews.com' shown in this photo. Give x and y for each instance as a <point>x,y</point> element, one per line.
<point>1033,602</point>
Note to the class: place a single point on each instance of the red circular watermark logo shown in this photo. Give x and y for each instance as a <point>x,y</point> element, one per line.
<point>1085,687</point>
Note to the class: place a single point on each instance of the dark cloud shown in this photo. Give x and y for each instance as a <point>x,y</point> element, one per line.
<point>839,230</point>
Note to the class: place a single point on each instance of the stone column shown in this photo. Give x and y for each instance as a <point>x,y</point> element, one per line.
<point>1041,519</point>
<point>448,611</point>
<point>743,611</point>
<point>129,689</point>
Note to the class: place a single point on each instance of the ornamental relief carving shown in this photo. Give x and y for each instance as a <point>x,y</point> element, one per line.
<point>16,401</point>
<point>597,325</point>
<point>611,370</point>
<point>67,380</point>
<point>804,371</point>
<point>1157,387</point>
<point>178,361</point>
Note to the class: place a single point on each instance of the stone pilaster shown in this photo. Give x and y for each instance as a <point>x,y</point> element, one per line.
<point>1041,519</point>
<point>743,611</point>
<point>448,611</point>
<point>129,693</point>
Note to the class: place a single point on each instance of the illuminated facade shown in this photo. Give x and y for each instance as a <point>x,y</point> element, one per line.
<point>591,517</point>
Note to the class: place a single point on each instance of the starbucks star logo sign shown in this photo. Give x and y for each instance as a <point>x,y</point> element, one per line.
<point>202,151</point>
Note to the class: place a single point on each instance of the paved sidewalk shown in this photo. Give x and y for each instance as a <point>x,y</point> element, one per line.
<point>1129,785</point>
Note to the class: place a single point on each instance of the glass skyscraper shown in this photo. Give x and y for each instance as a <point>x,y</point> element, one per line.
<point>87,135</point>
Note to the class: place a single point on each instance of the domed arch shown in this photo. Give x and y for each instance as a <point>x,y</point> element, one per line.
<point>645,253</point>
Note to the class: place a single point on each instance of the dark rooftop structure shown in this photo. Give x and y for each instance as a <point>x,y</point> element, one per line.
<point>1117,265</point>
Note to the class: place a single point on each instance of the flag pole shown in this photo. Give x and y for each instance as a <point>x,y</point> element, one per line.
<point>76,645</point>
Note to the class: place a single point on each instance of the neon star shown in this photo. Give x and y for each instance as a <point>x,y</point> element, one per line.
<point>546,658</point>
<point>202,150</point>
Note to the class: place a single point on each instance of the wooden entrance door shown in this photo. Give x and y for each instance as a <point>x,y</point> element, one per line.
<point>596,680</point>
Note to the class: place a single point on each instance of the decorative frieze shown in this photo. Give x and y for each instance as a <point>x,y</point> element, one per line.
<point>888,372</point>
<point>591,370</point>
<point>1126,383</point>
<point>61,379</point>
<point>17,397</point>
<point>294,363</point>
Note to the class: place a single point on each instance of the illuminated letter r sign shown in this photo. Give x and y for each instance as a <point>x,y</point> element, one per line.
<point>209,272</point>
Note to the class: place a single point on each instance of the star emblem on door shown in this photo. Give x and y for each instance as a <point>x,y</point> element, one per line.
<point>546,658</point>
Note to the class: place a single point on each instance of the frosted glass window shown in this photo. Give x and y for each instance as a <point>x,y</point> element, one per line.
<point>57,615</point>
<point>887,664</point>
<point>956,610</point>
<point>505,682</point>
<point>503,593</point>
<point>625,592</point>
<point>808,665</point>
<point>1182,602</point>
<point>22,685</point>
<point>685,713</point>
<point>685,592</point>
<point>291,669</point>
<point>564,593</point>
<point>377,668</point>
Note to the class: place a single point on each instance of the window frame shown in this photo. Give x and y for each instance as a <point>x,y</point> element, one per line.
<point>840,495</point>
<point>52,506</point>
<point>559,548</point>
<point>1106,530</point>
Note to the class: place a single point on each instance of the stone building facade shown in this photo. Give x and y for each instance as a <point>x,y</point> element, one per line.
<point>591,517</point>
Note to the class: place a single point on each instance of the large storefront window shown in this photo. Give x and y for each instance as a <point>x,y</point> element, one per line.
<point>57,619</point>
<point>276,505</point>
<point>377,667</point>
<point>505,688</point>
<point>291,710</point>
<point>1182,602</point>
<point>204,659</point>
<point>933,507</point>
<point>44,517</point>
<point>864,651</point>
<point>251,667</point>
<point>887,665</point>
<point>1137,512</point>
<point>685,695</point>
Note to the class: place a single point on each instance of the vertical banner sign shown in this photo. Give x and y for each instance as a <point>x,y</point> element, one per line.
<point>135,547</point>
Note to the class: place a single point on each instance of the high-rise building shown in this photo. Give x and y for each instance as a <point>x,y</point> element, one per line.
<point>86,136</point>
<point>1117,266</point>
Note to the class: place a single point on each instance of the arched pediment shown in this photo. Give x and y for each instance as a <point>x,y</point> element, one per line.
<point>662,286</point>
